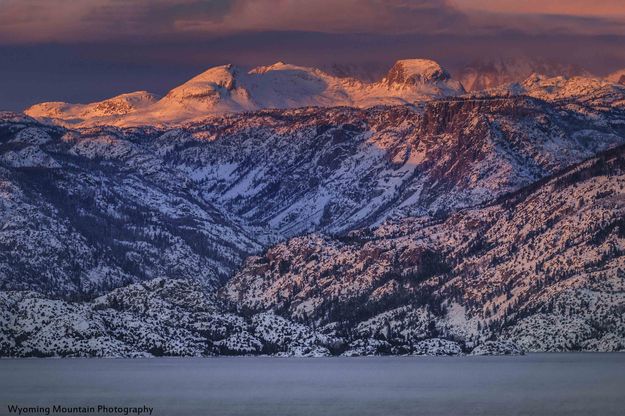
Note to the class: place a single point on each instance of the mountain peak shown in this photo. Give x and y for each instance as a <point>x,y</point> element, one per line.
<point>208,83</point>
<point>283,66</point>
<point>416,72</point>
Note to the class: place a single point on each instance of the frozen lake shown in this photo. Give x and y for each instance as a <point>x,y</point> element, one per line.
<point>535,384</point>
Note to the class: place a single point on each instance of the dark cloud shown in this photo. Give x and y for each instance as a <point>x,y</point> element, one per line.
<point>90,20</point>
<point>142,17</point>
<point>75,21</point>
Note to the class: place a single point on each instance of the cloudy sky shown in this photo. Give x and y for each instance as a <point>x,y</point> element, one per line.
<point>85,50</point>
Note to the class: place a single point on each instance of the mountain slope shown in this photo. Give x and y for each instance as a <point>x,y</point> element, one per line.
<point>83,214</point>
<point>543,267</point>
<point>337,169</point>
<point>98,111</point>
<point>584,95</point>
<point>154,318</point>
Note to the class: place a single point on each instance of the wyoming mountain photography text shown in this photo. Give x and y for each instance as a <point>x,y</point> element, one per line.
<point>85,410</point>
<point>312,207</point>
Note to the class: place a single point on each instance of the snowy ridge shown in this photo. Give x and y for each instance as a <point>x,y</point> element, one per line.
<point>229,89</point>
<point>582,94</point>
<point>102,110</point>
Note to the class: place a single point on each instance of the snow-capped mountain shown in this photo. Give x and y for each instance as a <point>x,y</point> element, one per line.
<point>349,167</point>
<point>450,225</point>
<point>230,89</point>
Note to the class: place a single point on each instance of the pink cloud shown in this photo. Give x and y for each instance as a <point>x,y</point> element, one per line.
<point>88,20</point>
<point>602,8</point>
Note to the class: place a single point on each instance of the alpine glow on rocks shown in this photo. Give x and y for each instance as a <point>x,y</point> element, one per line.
<point>230,89</point>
